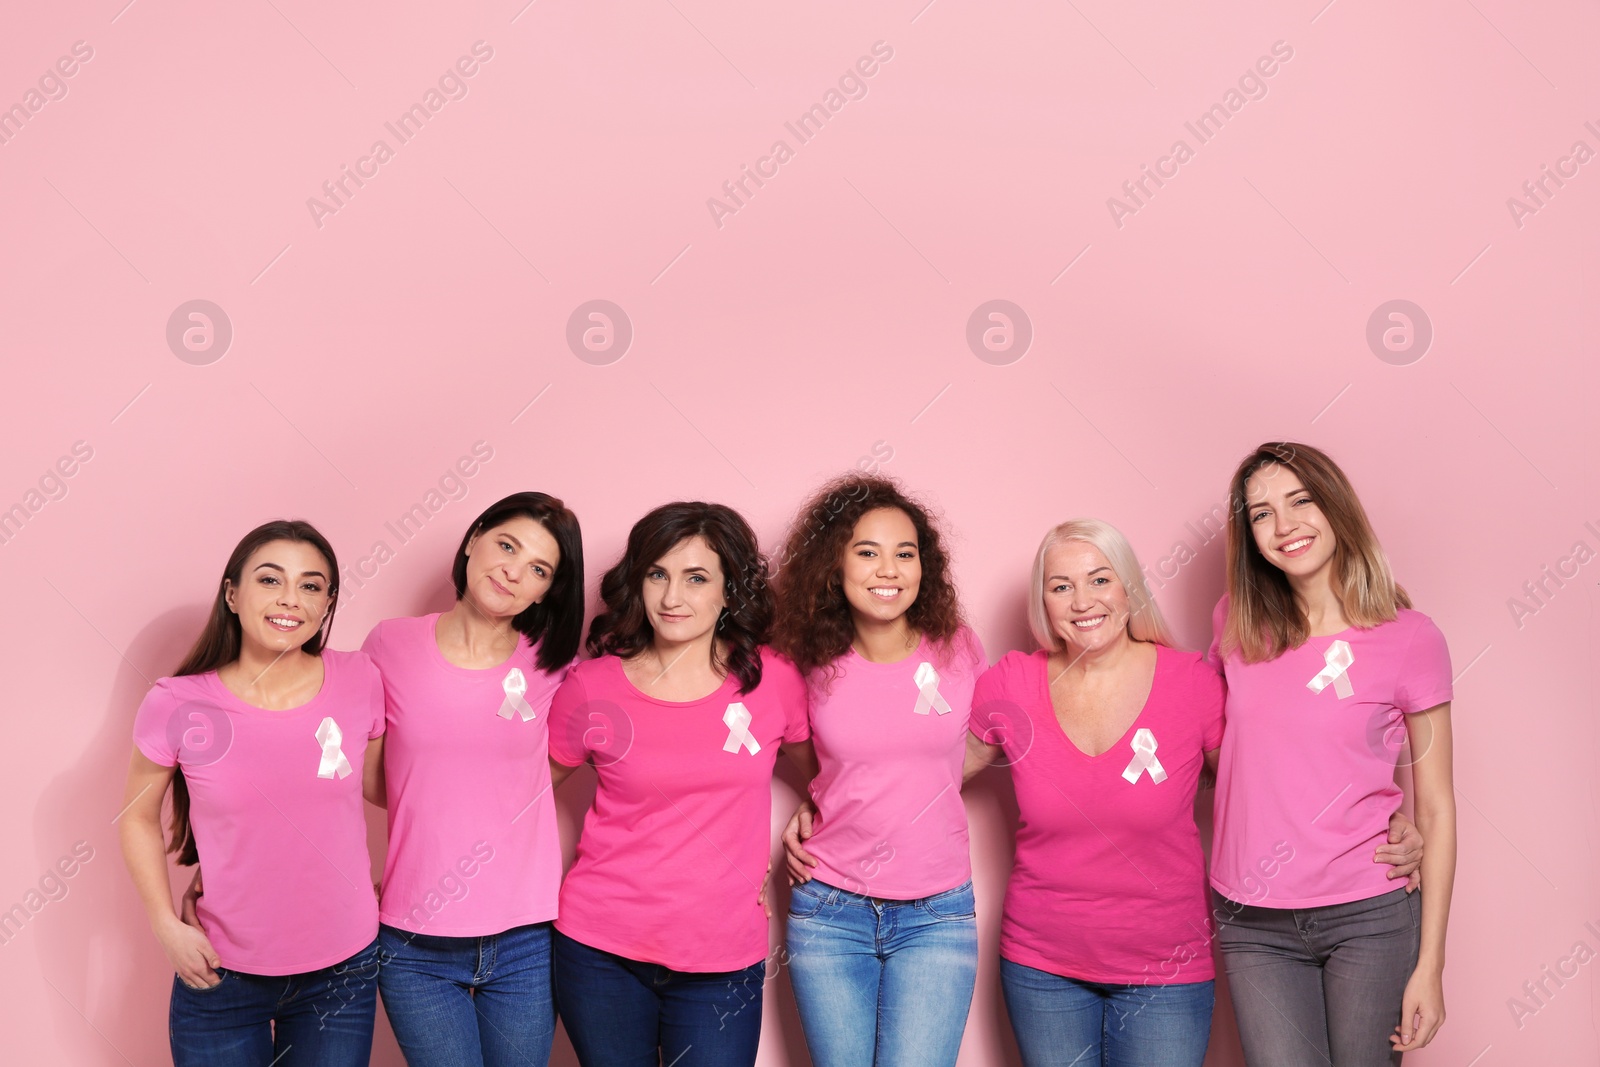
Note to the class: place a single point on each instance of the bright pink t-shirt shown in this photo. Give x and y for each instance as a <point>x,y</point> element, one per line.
<point>473,846</point>
<point>275,803</point>
<point>891,738</point>
<point>1308,762</point>
<point>675,847</point>
<point>1109,882</point>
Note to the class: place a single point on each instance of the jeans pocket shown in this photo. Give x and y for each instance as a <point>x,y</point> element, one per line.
<point>952,906</point>
<point>805,899</point>
<point>222,976</point>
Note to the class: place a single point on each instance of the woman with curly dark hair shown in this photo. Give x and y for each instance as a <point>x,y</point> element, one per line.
<point>661,942</point>
<point>882,932</point>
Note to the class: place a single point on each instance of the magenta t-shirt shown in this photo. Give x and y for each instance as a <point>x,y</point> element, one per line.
<point>890,739</point>
<point>275,803</point>
<point>1308,762</point>
<point>1109,882</point>
<point>675,846</point>
<point>473,846</point>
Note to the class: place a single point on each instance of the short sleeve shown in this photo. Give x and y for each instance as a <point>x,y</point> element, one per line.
<point>380,701</point>
<point>373,645</point>
<point>1210,696</point>
<point>150,724</point>
<point>997,718</point>
<point>794,695</point>
<point>1219,623</point>
<point>1423,680</point>
<point>567,728</point>
<point>374,648</point>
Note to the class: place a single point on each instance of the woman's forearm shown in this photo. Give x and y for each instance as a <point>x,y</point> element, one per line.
<point>1438,825</point>
<point>144,852</point>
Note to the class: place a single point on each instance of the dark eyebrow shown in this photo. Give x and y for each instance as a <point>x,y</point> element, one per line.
<point>874,544</point>
<point>280,570</point>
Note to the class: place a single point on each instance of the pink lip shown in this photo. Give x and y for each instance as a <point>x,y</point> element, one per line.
<point>1299,551</point>
<point>500,587</point>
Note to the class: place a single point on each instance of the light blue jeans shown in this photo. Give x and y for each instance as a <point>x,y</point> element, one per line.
<point>1061,1020</point>
<point>882,983</point>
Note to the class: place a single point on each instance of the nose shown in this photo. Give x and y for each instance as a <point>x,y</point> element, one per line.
<point>1282,523</point>
<point>888,566</point>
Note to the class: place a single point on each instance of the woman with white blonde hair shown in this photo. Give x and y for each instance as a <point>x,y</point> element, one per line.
<point>1105,937</point>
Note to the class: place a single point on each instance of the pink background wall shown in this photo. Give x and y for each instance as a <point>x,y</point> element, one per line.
<point>827,313</point>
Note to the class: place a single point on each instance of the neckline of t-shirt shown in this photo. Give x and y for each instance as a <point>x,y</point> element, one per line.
<point>239,703</point>
<point>916,655</point>
<point>1163,658</point>
<point>711,697</point>
<point>439,657</point>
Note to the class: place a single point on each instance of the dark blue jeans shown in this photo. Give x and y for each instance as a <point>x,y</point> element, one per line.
<point>317,1019</point>
<point>469,1001</point>
<point>1092,1024</point>
<point>623,1013</point>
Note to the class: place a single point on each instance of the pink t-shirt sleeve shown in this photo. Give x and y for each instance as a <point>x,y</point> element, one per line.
<point>1424,678</point>
<point>566,740</point>
<point>792,691</point>
<point>1219,620</point>
<point>1210,695</point>
<point>150,731</point>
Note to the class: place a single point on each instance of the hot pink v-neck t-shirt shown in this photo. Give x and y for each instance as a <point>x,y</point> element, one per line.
<point>277,814</point>
<point>891,738</point>
<point>1309,759</point>
<point>1109,882</point>
<point>473,845</point>
<point>675,846</point>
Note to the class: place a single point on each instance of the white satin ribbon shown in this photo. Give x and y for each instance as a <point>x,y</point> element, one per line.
<point>516,687</point>
<point>927,680</point>
<point>1144,759</point>
<point>330,737</point>
<point>1339,657</point>
<point>737,717</point>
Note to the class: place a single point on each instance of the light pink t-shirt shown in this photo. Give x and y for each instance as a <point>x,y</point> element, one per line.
<point>675,847</point>
<point>473,846</point>
<point>275,803</point>
<point>891,738</point>
<point>1309,773</point>
<point>1109,881</point>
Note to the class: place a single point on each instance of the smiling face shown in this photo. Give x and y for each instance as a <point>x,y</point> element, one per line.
<point>1085,602</point>
<point>684,592</point>
<point>882,567</point>
<point>282,595</point>
<point>1289,528</point>
<point>511,566</point>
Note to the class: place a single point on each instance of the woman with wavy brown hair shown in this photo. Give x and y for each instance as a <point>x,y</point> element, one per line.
<point>882,929</point>
<point>661,942</point>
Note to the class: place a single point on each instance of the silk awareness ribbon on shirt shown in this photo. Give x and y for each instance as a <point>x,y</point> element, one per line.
<point>738,719</point>
<point>1339,657</point>
<point>927,680</point>
<point>1144,759</point>
<point>516,687</point>
<point>330,737</point>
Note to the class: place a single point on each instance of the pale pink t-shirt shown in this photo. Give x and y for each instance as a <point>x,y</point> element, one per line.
<point>1309,773</point>
<point>890,739</point>
<point>1109,882</point>
<point>277,812</point>
<point>675,847</point>
<point>473,846</point>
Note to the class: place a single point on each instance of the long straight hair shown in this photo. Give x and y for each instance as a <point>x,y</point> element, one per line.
<point>219,643</point>
<point>1264,620</point>
<point>556,622</point>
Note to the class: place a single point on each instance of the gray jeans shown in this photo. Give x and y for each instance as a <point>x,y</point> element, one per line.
<point>1318,986</point>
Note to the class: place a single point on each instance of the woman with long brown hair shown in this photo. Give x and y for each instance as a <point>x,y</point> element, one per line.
<point>266,738</point>
<point>661,944</point>
<point>1329,669</point>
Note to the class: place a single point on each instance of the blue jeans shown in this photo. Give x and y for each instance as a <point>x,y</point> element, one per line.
<point>469,1001</point>
<point>1061,1020</point>
<point>882,983</point>
<point>624,1013</point>
<point>317,1019</point>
